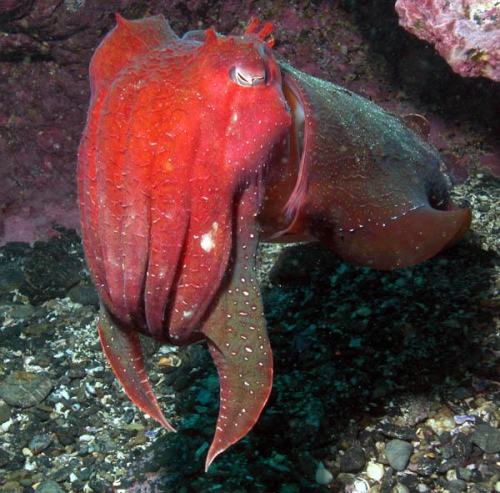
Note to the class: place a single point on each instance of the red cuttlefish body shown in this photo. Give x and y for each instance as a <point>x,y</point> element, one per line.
<point>195,148</point>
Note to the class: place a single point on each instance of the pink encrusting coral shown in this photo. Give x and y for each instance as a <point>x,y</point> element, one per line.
<point>466,33</point>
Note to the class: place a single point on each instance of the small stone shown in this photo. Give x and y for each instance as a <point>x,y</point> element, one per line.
<point>398,454</point>
<point>425,466</point>
<point>4,413</point>
<point>456,486</point>
<point>12,487</point>
<point>497,486</point>
<point>323,475</point>
<point>402,432</point>
<point>464,473</point>
<point>442,421</point>
<point>25,389</point>
<point>360,486</point>
<point>387,481</point>
<point>400,488</point>
<point>375,471</point>
<point>39,443</point>
<point>84,294</point>
<point>487,438</point>
<point>353,460</point>
<point>11,277</point>
<point>21,312</point>
<point>49,487</point>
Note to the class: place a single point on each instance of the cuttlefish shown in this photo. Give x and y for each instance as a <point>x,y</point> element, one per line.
<point>197,148</point>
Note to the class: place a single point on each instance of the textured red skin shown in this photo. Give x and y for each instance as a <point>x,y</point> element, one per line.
<point>179,170</point>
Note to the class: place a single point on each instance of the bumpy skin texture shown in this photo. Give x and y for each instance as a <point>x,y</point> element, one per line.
<point>195,146</point>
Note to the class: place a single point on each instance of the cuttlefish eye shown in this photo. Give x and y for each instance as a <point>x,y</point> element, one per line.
<point>248,78</point>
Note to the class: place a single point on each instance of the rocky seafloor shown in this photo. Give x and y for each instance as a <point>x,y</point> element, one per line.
<point>384,382</point>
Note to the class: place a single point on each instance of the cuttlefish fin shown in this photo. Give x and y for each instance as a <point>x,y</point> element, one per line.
<point>407,240</point>
<point>238,342</point>
<point>124,353</point>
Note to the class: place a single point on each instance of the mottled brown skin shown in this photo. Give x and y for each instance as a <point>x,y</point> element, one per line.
<point>196,146</point>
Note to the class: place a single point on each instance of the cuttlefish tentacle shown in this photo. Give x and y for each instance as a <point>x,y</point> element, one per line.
<point>237,338</point>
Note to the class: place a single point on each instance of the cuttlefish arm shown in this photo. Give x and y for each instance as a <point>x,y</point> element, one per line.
<point>237,338</point>
<point>123,351</point>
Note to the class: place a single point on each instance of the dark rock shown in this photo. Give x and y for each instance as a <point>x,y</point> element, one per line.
<point>24,389</point>
<point>456,486</point>
<point>12,487</point>
<point>62,474</point>
<point>387,482</point>
<point>409,480</point>
<point>39,443</point>
<point>11,277</point>
<point>4,458</point>
<point>53,268</point>
<point>487,438</point>
<point>464,473</point>
<point>398,454</point>
<point>65,436</point>
<point>20,312</point>
<point>462,447</point>
<point>100,486</point>
<point>353,460</point>
<point>49,487</point>
<point>402,432</point>
<point>4,413</point>
<point>84,294</point>
<point>425,466</point>
<point>448,464</point>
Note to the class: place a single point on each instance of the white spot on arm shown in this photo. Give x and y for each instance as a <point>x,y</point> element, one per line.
<point>207,242</point>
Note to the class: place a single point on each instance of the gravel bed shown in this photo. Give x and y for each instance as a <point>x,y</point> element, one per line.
<point>384,382</point>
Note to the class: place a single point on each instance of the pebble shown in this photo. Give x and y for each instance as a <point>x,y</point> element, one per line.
<point>442,421</point>
<point>398,454</point>
<point>25,389</point>
<point>375,471</point>
<point>12,487</point>
<point>456,486</point>
<point>402,432</point>
<point>11,278</point>
<point>323,475</point>
<point>360,486</point>
<point>39,443</point>
<point>20,312</point>
<point>425,466</point>
<point>400,488</point>
<point>49,487</point>
<point>353,460</point>
<point>4,413</point>
<point>487,438</point>
<point>84,294</point>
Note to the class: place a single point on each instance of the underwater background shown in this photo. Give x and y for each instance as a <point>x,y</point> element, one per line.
<point>384,382</point>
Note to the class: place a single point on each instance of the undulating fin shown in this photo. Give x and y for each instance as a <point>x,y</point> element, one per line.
<point>408,240</point>
<point>237,339</point>
<point>129,39</point>
<point>124,353</point>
